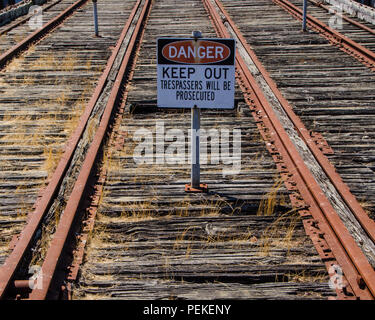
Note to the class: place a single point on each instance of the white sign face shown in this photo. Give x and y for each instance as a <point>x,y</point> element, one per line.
<point>196,73</point>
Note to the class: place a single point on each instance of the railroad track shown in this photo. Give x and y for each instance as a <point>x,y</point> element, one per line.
<point>327,206</point>
<point>49,9</point>
<point>352,27</point>
<point>272,230</point>
<point>348,43</point>
<point>358,30</point>
<point>181,245</point>
<point>37,121</point>
<point>19,36</point>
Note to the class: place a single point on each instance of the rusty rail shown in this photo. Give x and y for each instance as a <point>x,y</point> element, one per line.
<point>35,36</point>
<point>8,270</point>
<point>61,235</point>
<point>343,16</point>
<point>24,19</point>
<point>365,56</point>
<point>344,191</point>
<point>350,257</point>
<point>89,213</point>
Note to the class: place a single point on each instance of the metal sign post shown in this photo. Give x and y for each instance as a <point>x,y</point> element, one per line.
<point>304,15</point>
<point>95,18</point>
<point>195,185</point>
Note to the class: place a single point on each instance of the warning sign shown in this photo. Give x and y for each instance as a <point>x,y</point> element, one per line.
<point>195,72</point>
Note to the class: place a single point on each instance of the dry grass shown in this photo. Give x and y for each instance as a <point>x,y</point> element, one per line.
<point>139,211</point>
<point>180,239</point>
<point>52,158</point>
<point>271,200</point>
<point>43,245</point>
<point>367,207</point>
<point>280,233</point>
<point>304,277</point>
<point>69,62</point>
<point>15,64</point>
<point>28,80</point>
<point>245,238</point>
<point>48,62</point>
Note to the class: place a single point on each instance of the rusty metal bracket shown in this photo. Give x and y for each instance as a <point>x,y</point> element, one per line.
<point>203,188</point>
<point>321,143</point>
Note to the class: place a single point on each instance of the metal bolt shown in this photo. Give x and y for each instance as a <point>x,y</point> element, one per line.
<point>361,282</point>
<point>197,34</point>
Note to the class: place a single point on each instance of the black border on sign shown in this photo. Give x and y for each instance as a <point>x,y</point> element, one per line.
<point>230,43</point>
